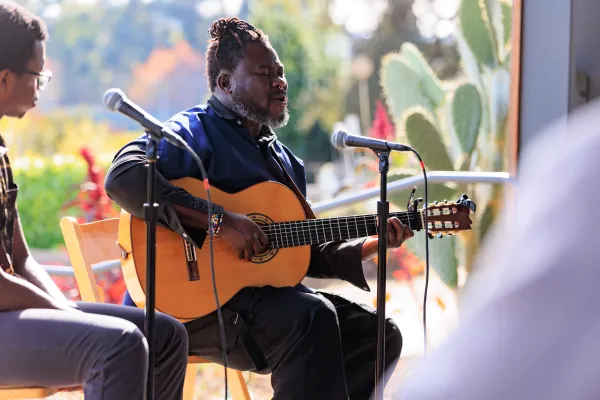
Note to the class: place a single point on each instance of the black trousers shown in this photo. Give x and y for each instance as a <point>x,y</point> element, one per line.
<point>316,345</point>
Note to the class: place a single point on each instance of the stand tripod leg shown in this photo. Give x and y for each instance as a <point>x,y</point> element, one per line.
<point>150,214</point>
<point>382,216</point>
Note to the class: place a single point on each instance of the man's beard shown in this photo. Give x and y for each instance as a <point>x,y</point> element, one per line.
<point>243,105</point>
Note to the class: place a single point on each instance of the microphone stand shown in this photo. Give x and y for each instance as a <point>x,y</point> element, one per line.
<point>383,209</point>
<point>150,215</point>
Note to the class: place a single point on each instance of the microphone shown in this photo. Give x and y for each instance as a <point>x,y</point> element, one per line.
<point>341,140</point>
<point>115,100</point>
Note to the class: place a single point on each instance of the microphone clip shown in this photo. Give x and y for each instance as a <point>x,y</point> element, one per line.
<point>384,160</point>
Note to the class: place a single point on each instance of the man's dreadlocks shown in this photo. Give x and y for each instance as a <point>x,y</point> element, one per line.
<point>228,38</point>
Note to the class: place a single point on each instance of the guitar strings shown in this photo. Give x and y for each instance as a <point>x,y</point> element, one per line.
<point>358,219</point>
<point>283,230</point>
<point>284,236</point>
<point>295,232</point>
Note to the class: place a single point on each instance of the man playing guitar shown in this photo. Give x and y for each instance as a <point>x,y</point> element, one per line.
<point>316,345</point>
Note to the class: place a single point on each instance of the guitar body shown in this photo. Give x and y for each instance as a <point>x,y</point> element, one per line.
<point>178,292</point>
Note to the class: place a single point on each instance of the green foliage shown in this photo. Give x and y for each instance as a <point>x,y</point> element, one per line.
<point>45,156</point>
<point>475,24</point>
<point>92,47</point>
<point>45,186</point>
<point>397,26</point>
<point>60,133</point>
<point>97,45</point>
<point>425,136</point>
<point>48,167</point>
<point>401,85</point>
<point>443,256</point>
<point>462,128</point>
<point>440,191</point>
<point>506,20</point>
<point>486,220</point>
<point>315,79</point>
<point>432,86</point>
<point>444,259</point>
<point>466,116</point>
<point>292,53</point>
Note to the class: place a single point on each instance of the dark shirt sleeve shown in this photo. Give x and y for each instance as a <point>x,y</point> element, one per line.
<point>126,184</point>
<point>339,259</point>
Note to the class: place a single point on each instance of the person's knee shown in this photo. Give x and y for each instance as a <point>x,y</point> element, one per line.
<point>393,341</point>
<point>324,319</point>
<point>121,346</point>
<point>173,333</point>
<point>132,344</point>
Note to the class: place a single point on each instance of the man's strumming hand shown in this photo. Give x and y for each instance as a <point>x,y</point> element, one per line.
<point>243,235</point>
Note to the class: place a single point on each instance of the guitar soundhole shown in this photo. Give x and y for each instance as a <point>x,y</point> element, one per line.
<point>262,220</point>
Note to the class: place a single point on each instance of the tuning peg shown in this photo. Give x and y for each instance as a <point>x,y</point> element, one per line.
<point>465,201</point>
<point>440,235</point>
<point>472,206</point>
<point>430,235</point>
<point>410,199</point>
<point>416,203</point>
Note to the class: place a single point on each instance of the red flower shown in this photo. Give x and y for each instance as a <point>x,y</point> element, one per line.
<point>409,265</point>
<point>92,198</point>
<point>382,127</point>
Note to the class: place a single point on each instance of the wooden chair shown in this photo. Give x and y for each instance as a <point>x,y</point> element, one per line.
<point>95,242</point>
<point>8,393</point>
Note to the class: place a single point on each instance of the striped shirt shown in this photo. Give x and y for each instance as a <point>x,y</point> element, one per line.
<point>8,208</point>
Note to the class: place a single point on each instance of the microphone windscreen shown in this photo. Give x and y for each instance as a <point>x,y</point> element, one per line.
<point>338,139</point>
<point>113,98</point>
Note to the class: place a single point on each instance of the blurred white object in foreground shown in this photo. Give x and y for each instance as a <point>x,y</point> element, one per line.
<point>530,326</point>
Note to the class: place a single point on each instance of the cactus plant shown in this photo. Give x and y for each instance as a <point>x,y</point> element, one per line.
<point>455,126</point>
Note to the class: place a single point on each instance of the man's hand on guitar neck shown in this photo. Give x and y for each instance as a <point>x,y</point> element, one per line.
<point>397,233</point>
<point>243,235</point>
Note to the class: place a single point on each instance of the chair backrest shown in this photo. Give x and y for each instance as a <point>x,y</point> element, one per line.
<point>89,244</point>
<point>96,242</point>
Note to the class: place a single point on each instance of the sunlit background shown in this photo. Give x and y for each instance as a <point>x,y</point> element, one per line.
<point>431,73</point>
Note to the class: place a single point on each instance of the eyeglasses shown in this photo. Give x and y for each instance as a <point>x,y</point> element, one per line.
<point>42,77</point>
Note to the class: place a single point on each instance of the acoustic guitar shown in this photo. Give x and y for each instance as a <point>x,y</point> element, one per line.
<point>184,287</point>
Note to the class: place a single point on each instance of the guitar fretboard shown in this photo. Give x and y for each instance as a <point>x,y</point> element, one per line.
<point>316,231</point>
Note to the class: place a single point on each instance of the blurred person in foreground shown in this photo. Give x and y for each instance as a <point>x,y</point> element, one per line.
<point>530,328</point>
<point>46,340</point>
<point>315,344</point>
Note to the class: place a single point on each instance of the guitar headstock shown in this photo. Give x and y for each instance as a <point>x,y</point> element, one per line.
<point>446,218</point>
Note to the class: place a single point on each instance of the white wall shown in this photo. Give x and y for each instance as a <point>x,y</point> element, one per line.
<point>586,44</point>
<point>561,47</point>
<point>547,75</point>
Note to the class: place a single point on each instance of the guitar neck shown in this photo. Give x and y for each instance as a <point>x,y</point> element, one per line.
<point>317,231</point>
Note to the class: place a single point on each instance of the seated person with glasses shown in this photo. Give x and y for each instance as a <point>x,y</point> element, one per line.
<point>47,340</point>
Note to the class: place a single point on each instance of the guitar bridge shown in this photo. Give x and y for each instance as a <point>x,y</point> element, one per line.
<point>191,261</point>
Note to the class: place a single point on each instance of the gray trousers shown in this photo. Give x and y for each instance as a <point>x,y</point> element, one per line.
<point>102,349</point>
